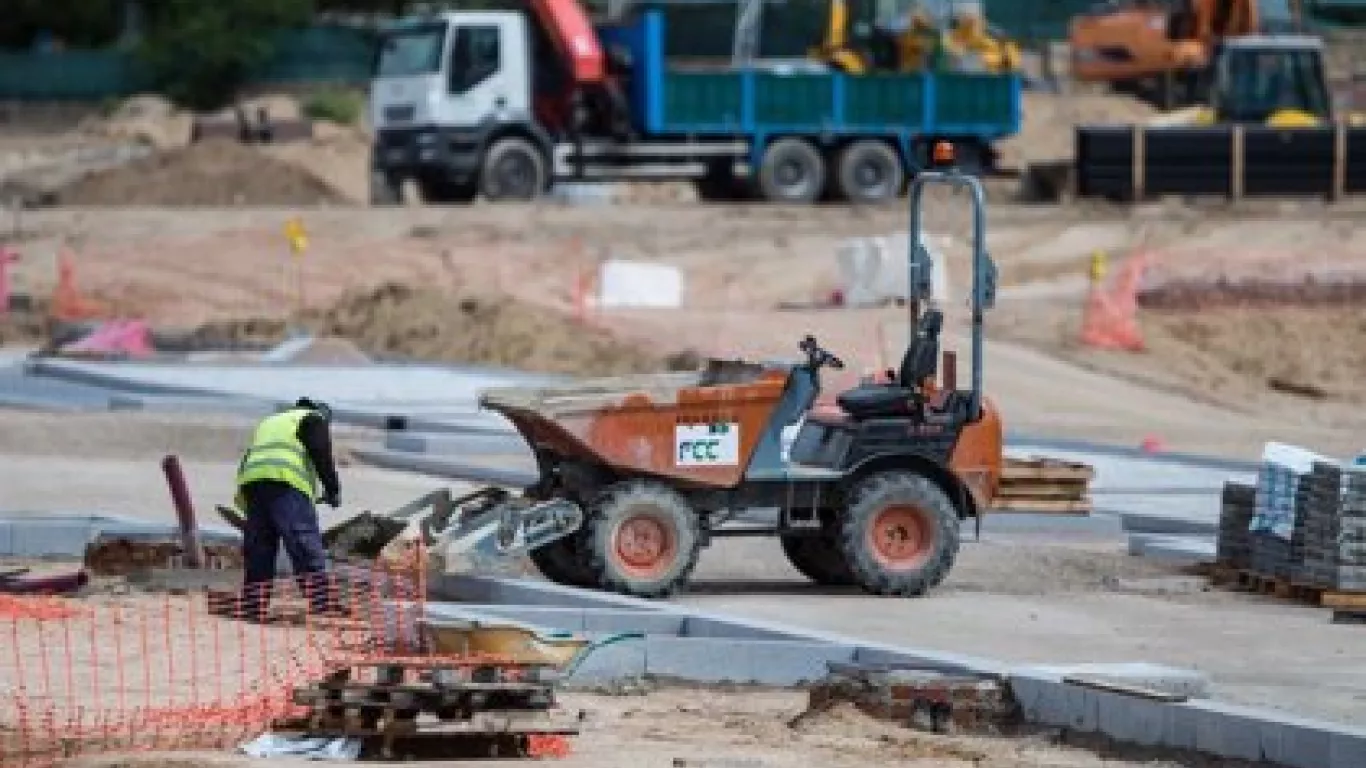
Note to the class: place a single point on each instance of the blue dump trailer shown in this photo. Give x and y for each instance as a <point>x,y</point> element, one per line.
<point>462,104</point>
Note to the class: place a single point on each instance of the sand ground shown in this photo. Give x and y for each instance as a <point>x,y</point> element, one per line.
<point>1028,597</point>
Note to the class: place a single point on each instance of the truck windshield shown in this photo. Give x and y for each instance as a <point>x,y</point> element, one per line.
<point>412,51</point>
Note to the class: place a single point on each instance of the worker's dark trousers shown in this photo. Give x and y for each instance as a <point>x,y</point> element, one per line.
<point>275,512</point>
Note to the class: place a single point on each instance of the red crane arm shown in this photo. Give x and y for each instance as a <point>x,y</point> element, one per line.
<point>573,36</point>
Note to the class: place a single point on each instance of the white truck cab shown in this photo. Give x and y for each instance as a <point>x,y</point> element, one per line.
<point>451,108</point>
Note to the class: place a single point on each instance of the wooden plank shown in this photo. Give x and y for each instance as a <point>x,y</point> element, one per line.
<point>1042,506</point>
<point>1350,601</point>
<point>462,685</point>
<point>1045,469</point>
<point>480,724</point>
<point>1042,491</point>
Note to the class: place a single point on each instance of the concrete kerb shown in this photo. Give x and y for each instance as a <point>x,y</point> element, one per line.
<point>487,443</point>
<point>1016,440</point>
<point>66,535</point>
<point>445,468</point>
<point>703,647</point>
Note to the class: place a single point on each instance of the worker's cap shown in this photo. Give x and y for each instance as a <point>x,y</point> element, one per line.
<point>321,408</point>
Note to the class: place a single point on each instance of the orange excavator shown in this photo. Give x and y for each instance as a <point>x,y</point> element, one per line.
<point>1164,48</point>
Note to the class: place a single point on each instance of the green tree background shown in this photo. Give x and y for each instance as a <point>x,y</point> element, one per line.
<point>197,52</point>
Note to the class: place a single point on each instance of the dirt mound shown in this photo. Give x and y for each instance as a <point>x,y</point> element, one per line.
<point>147,119</point>
<point>425,324</point>
<point>398,320</point>
<point>210,173</point>
<point>1311,352</point>
<point>1047,132</point>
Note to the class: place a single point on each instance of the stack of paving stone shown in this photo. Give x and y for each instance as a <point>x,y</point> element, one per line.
<point>1319,525</point>
<point>1273,520</point>
<point>1234,546</point>
<point>1351,565</point>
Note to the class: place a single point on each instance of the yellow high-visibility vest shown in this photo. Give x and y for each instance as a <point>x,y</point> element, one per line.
<point>276,453</point>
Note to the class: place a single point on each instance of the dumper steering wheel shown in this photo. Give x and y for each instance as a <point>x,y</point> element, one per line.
<point>816,357</point>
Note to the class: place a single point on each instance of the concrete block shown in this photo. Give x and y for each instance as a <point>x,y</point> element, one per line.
<point>698,626</point>
<point>1168,525</point>
<point>1046,700</point>
<point>1347,749</point>
<point>947,663</point>
<point>473,588</point>
<point>569,619</point>
<point>649,622</point>
<point>1132,719</point>
<point>771,662</point>
<point>442,467</point>
<point>578,619</point>
<point>1154,677</point>
<point>1171,548</point>
<point>1225,731</point>
<point>57,538</point>
<point>621,660</point>
<point>461,444</point>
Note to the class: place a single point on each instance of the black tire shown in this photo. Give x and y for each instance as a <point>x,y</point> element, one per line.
<point>439,192</point>
<point>514,169</point>
<point>562,562</point>
<point>869,172</point>
<point>384,189</point>
<point>792,171</point>
<point>667,518</point>
<point>819,559</point>
<point>924,515</point>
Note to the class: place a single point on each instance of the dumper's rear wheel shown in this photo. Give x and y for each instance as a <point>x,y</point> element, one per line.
<point>818,558</point>
<point>643,539</point>
<point>563,562</point>
<point>899,534</point>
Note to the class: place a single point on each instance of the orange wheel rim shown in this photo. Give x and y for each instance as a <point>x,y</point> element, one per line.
<point>901,538</point>
<point>644,546</point>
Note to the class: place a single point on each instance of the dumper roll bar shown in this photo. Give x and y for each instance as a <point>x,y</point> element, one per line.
<point>983,268</point>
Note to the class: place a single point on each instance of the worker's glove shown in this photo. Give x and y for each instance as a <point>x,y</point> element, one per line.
<point>332,500</point>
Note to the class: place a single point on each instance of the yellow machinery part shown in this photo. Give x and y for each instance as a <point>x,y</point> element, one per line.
<point>1293,118</point>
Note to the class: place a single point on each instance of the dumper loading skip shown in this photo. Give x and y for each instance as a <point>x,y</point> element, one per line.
<point>871,496</point>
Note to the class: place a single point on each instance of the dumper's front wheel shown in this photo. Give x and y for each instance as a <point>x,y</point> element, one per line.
<point>643,539</point>
<point>899,534</point>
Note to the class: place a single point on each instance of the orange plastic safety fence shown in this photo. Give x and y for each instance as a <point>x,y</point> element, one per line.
<point>12,607</point>
<point>207,670</point>
<point>1110,318</point>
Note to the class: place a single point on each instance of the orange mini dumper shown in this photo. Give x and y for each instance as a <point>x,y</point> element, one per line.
<point>873,495</point>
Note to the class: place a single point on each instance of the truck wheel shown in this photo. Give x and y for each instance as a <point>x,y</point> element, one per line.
<point>818,558</point>
<point>643,539</point>
<point>869,172</point>
<point>513,170</point>
<point>562,562</point>
<point>384,189</point>
<point>899,534</point>
<point>792,171</point>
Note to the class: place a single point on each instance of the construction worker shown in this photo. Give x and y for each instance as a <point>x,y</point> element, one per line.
<point>277,482</point>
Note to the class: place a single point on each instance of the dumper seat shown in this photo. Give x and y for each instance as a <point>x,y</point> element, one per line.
<point>904,397</point>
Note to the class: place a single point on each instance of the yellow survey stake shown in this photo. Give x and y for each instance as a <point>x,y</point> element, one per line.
<point>294,232</point>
